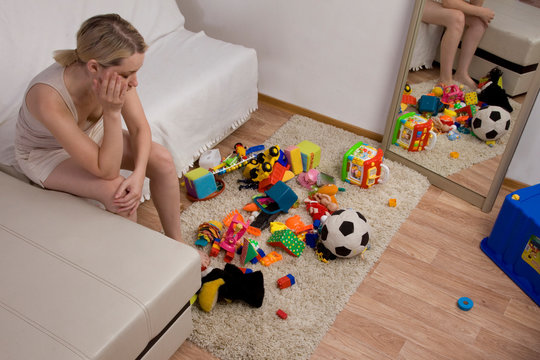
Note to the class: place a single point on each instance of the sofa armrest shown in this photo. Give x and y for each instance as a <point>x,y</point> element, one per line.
<point>85,279</point>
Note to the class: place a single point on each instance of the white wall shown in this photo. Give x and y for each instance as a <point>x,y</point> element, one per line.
<point>339,58</point>
<point>525,165</point>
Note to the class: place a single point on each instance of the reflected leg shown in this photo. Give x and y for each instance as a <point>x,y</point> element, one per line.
<point>454,23</point>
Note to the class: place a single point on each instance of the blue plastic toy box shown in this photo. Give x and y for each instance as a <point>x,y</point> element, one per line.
<point>514,242</point>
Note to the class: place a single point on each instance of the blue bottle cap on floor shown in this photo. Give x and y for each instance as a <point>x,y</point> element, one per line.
<point>465,304</point>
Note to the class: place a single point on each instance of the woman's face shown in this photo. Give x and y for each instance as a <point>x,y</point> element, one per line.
<point>127,69</point>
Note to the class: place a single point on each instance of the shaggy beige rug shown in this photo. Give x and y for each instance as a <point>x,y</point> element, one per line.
<point>471,149</point>
<point>236,331</point>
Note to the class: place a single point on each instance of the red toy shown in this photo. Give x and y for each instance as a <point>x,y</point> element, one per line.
<point>286,281</point>
<point>282,314</point>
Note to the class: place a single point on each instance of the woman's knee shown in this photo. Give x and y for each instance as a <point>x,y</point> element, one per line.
<point>107,192</point>
<point>160,162</point>
<point>476,24</point>
<point>455,20</point>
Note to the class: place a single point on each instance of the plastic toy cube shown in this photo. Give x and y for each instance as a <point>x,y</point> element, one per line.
<point>311,155</point>
<point>471,98</point>
<point>200,183</point>
<point>429,104</point>
<point>294,157</point>
<point>514,242</point>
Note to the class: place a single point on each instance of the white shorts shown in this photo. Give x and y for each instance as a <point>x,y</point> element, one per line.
<point>38,164</point>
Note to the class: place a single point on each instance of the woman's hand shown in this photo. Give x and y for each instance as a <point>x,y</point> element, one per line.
<point>485,14</point>
<point>110,91</point>
<point>128,196</point>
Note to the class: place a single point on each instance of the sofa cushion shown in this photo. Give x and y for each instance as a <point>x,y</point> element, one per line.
<point>79,282</point>
<point>514,33</point>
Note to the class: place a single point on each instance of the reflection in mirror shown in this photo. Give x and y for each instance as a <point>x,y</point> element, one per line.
<point>444,141</point>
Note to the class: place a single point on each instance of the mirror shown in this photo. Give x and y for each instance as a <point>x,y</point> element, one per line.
<point>466,167</point>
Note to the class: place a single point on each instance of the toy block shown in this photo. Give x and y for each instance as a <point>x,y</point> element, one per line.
<point>429,104</point>
<point>286,281</point>
<point>214,251</point>
<point>200,183</point>
<point>408,99</point>
<point>260,255</point>
<point>271,258</point>
<point>229,256</point>
<point>311,155</point>
<point>471,98</point>
<point>294,157</point>
<point>392,202</point>
<point>282,314</point>
<point>275,176</point>
<point>287,240</point>
<point>311,239</point>
<point>283,198</point>
<point>249,250</point>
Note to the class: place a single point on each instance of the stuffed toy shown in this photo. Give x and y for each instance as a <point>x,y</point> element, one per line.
<point>231,284</point>
<point>493,94</point>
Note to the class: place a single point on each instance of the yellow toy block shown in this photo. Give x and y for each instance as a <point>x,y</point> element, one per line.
<point>471,98</point>
<point>295,159</point>
<point>311,155</point>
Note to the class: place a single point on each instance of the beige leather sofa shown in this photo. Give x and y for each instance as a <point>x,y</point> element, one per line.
<point>77,282</point>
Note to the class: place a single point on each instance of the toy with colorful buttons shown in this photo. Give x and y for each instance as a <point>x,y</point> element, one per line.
<point>414,132</point>
<point>362,165</point>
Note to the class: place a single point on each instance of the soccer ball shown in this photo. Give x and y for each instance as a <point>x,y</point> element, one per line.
<point>491,123</point>
<point>345,233</point>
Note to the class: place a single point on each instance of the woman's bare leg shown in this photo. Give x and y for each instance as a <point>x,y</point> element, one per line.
<point>69,177</point>
<point>164,187</point>
<point>469,43</point>
<point>454,23</point>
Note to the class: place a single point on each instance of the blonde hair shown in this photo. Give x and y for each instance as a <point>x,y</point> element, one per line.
<point>106,38</point>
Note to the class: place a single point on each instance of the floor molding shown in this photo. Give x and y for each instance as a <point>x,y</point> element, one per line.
<point>513,185</point>
<point>320,117</point>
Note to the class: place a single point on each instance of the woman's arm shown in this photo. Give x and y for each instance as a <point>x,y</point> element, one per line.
<point>139,131</point>
<point>49,108</point>
<point>129,192</point>
<point>473,9</point>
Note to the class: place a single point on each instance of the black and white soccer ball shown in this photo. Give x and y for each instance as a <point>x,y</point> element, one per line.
<point>490,123</point>
<point>345,233</point>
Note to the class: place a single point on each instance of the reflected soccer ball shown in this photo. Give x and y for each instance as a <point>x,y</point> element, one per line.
<point>490,123</point>
<point>345,233</point>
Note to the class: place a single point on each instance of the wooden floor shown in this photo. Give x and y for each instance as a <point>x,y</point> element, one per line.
<point>406,307</point>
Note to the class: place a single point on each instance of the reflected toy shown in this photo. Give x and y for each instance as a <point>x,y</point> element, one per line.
<point>414,132</point>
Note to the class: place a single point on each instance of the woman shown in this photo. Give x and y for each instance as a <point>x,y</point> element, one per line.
<point>455,16</point>
<point>95,83</point>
